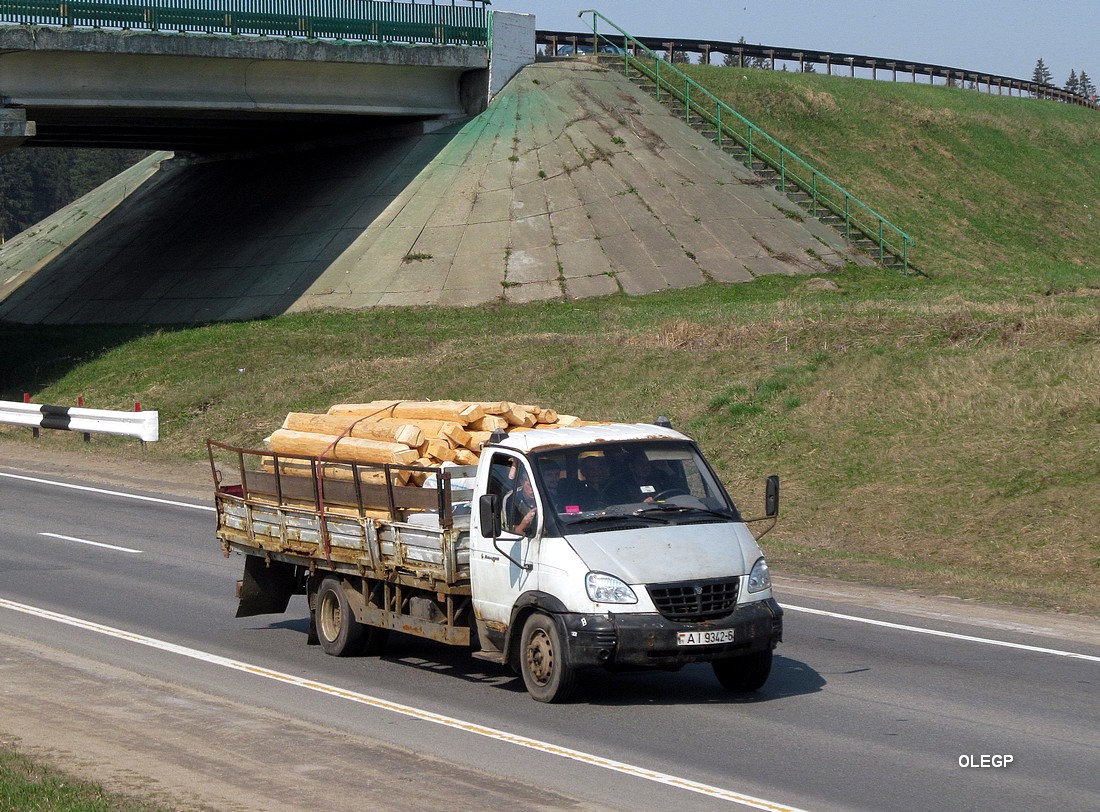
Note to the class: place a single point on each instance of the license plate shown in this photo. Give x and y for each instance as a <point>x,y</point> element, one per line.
<point>704,638</point>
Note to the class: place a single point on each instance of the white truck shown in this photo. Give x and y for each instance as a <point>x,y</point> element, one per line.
<point>604,545</point>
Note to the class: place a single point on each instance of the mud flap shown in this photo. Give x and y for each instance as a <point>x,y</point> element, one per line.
<point>266,587</point>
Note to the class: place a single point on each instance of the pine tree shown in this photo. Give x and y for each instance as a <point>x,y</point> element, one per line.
<point>1042,74</point>
<point>1085,86</point>
<point>1072,83</point>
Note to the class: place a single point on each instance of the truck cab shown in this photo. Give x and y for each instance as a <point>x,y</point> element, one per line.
<point>615,545</point>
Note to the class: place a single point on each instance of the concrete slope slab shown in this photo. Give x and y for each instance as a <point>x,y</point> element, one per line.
<point>573,183</point>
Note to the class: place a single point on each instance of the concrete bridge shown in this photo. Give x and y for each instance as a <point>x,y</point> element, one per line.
<point>206,93</point>
<point>308,177</point>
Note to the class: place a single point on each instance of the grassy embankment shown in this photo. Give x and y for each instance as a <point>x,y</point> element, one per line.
<point>937,433</point>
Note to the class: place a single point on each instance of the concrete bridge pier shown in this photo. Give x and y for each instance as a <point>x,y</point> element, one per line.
<point>14,128</point>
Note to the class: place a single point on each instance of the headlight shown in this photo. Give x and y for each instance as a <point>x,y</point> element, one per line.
<point>604,588</point>
<point>760,579</point>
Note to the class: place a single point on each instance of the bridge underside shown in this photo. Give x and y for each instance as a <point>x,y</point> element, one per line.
<point>216,94</point>
<point>238,131</point>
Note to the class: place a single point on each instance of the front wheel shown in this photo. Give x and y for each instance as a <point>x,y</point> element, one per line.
<point>544,661</point>
<point>338,632</point>
<point>743,675</point>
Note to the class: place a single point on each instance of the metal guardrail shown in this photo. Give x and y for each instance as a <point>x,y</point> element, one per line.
<point>825,194</point>
<point>143,425</point>
<point>743,54</point>
<point>437,23</point>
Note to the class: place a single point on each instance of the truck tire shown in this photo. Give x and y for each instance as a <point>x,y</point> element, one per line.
<point>743,675</point>
<point>544,661</point>
<point>339,633</point>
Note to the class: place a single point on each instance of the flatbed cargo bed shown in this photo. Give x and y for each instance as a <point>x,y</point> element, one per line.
<point>347,517</point>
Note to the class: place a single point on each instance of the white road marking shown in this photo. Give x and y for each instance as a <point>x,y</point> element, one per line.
<point>108,492</point>
<point>407,710</point>
<point>88,541</point>
<point>935,632</point>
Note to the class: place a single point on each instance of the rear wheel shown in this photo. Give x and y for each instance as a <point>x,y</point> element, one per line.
<point>338,632</point>
<point>744,674</point>
<point>544,661</point>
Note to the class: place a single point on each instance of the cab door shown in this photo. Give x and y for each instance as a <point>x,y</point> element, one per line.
<point>500,571</point>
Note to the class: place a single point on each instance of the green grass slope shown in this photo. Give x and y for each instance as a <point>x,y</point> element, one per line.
<point>939,433</point>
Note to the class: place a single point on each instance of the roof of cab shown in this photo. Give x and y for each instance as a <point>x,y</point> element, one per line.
<point>542,439</point>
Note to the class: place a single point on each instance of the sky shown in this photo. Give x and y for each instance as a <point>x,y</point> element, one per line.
<point>1001,37</point>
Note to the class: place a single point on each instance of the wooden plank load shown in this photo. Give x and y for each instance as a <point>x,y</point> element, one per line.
<point>409,432</point>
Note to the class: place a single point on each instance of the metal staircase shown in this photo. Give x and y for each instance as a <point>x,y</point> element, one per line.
<point>770,160</point>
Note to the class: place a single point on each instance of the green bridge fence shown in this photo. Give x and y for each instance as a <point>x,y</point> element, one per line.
<point>437,23</point>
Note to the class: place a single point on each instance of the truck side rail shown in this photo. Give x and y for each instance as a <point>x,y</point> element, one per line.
<point>332,482</point>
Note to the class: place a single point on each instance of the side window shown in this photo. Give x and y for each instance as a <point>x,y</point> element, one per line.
<point>510,479</point>
<point>500,475</point>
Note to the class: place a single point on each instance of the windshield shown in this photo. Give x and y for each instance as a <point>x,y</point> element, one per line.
<point>640,483</point>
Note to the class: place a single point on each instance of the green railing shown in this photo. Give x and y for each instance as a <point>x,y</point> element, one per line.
<point>825,196</point>
<point>438,23</point>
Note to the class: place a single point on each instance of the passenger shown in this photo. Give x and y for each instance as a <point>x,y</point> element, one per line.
<point>551,472</point>
<point>600,488</point>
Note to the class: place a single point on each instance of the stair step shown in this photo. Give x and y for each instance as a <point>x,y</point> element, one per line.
<point>795,194</point>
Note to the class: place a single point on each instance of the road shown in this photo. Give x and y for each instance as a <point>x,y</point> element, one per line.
<point>123,662</point>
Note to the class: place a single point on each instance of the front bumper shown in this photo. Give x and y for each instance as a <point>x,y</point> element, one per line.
<point>649,640</point>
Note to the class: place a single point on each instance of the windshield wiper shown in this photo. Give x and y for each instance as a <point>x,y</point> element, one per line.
<point>619,517</point>
<point>666,508</point>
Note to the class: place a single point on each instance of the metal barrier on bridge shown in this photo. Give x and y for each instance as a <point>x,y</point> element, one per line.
<point>435,23</point>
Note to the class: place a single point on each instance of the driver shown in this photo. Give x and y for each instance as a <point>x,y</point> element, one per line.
<point>520,509</point>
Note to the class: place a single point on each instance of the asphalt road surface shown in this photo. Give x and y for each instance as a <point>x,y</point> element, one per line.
<point>122,662</point>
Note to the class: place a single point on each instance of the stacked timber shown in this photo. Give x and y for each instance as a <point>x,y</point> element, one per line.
<point>401,432</point>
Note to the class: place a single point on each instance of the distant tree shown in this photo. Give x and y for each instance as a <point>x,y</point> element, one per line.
<point>680,57</point>
<point>758,62</point>
<point>1085,86</point>
<point>36,182</point>
<point>730,61</point>
<point>808,67</point>
<point>1042,74</point>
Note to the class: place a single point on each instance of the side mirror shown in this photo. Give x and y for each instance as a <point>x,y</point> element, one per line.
<point>489,511</point>
<point>771,497</point>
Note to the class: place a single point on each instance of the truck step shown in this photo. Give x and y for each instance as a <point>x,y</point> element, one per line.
<point>492,656</point>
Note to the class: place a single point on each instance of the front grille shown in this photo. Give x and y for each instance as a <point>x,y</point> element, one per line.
<point>695,600</point>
